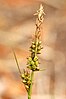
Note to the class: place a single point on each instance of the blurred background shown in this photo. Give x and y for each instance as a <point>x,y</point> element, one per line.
<point>17,26</point>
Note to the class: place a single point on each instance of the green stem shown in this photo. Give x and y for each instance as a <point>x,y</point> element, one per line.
<point>30,89</point>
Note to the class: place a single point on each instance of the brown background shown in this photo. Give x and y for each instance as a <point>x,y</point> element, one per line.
<point>17,26</point>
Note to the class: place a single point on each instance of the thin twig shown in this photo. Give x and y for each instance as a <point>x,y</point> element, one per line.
<point>16,61</point>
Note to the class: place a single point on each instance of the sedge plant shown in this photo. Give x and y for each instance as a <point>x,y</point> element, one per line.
<point>33,60</point>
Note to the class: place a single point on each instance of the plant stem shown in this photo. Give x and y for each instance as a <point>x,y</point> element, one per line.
<point>30,89</point>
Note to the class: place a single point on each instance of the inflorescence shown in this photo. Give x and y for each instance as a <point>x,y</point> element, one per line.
<point>35,49</point>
